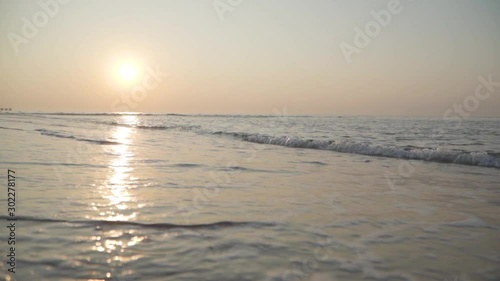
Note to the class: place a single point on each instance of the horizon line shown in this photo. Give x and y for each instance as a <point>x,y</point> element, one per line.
<point>231,114</point>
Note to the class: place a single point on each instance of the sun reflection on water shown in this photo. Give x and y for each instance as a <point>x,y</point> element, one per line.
<point>117,189</point>
<point>118,201</point>
<point>114,246</point>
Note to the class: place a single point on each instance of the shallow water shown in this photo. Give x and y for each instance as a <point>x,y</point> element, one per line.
<point>170,197</point>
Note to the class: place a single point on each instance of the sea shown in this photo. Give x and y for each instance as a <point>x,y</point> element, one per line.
<point>135,196</point>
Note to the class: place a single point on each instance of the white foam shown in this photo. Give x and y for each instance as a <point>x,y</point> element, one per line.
<point>427,154</point>
<point>470,222</point>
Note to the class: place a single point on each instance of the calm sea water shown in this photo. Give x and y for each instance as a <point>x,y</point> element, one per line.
<point>175,197</point>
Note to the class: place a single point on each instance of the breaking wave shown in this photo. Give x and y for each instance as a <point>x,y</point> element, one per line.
<point>432,154</point>
<point>440,155</point>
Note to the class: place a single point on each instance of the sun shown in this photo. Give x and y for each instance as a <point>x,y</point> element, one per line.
<point>124,70</point>
<point>127,72</point>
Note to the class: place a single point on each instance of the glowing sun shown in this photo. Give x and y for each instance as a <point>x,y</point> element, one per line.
<point>128,72</point>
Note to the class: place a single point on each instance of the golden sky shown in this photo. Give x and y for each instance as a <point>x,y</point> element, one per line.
<point>418,58</point>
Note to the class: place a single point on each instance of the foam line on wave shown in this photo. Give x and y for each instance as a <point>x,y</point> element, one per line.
<point>439,155</point>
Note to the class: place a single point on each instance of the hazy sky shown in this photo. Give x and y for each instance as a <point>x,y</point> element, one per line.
<point>254,57</point>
